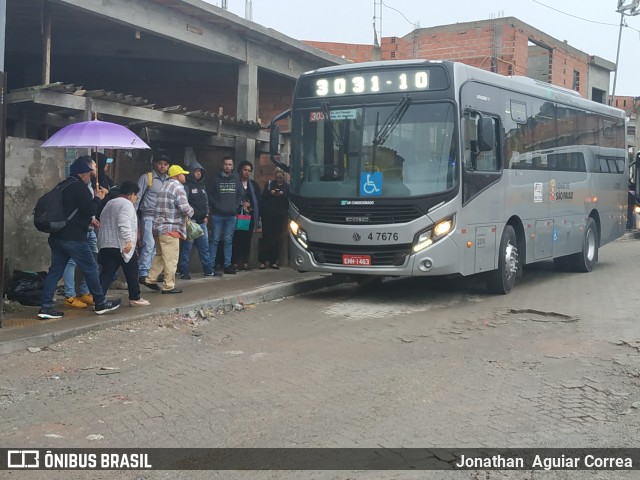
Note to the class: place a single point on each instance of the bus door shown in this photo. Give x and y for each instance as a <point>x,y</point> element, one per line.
<point>481,195</point>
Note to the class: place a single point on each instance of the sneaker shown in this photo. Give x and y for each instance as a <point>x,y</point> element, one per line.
<point>107,306</point>
<point>142,279</point>
<point>229,270</point>
<point>173,290</point>
<point>185,276</point>
<point>74,302</point>
<point>141,302</point>
<point>86,298</point>
<point>209,274</point>
<point>49,313</point>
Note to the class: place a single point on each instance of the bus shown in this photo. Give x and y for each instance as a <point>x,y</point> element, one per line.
<point>430,168</point>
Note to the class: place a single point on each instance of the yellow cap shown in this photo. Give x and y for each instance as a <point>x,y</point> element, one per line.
<point>176,170</point>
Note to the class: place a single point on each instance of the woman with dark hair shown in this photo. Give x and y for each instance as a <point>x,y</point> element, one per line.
<point>117,239</point>
<point>250,206</point>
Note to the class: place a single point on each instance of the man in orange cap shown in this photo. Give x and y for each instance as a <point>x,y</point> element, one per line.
<point>169,226</point>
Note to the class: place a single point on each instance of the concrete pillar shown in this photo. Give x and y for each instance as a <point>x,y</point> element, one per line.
<point>247,108</point>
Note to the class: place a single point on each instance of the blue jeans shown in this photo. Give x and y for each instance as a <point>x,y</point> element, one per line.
<point>80,252</point>
<point>202,244</point>
<point>222,228</point>
<point>69,275</point>
<point>148,247</point>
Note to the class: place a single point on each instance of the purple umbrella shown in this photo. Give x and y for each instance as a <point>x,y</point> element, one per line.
<point>95,134</point>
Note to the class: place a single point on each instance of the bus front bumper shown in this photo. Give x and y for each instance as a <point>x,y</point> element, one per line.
<point>442,258</point>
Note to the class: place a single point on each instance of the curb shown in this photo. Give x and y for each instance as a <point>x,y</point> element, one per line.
<point>255,296</point>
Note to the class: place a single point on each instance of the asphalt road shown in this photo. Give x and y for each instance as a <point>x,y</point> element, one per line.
<point>409,363</point>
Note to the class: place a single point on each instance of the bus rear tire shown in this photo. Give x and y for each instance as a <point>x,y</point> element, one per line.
<point>502,280</point>
<point>584,260</point>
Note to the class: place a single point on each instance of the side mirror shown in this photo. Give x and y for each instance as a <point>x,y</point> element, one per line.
<point>486,135</point>
<point>274,141</point>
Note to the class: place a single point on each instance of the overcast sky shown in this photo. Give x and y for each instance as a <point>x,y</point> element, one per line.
<point>588,25</point>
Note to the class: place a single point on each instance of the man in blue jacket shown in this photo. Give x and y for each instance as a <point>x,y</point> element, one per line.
<point>225,199</point>
<point>71,241</point>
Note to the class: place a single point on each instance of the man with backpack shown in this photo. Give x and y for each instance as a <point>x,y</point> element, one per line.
<point>150,184</point>
<point>70,241</point>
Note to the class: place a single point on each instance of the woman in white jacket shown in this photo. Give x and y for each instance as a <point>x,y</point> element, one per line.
<point>117,239</point>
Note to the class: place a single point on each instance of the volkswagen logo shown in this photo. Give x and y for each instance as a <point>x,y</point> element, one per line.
<point>356,237</point>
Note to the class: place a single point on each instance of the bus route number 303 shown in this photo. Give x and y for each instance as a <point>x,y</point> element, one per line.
<point>383,236</point>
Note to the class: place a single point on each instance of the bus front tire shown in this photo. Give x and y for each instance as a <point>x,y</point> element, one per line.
<point>502,279</point>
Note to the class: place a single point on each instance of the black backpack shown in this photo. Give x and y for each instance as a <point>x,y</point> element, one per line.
<point>48,216</point>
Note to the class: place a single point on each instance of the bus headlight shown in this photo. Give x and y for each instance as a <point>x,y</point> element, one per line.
<point>299,234</point>
<point>433,234</point>
<point>636,209</point>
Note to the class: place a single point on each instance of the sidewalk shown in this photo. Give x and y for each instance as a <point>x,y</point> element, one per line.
<point>23,329</point>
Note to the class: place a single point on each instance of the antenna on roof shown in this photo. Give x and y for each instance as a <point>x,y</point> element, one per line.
<point>224,4</point>
<point>248,10</point>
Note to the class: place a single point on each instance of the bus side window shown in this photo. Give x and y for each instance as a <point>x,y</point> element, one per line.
<point>481,152</point>
<point>604,166</point>
<point>486,154</point>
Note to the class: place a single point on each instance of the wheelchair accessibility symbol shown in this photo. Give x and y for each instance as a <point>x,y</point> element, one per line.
<point>371,184</point>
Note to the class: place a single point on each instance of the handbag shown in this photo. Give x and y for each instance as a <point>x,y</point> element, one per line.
<point>194,231</point>
<point>243,222</point>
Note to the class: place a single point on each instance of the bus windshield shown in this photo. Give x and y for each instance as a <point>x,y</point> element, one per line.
<point>398,150</point>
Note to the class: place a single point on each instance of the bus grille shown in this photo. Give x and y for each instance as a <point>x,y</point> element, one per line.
<point>361,215</point>
<point>383,255</point>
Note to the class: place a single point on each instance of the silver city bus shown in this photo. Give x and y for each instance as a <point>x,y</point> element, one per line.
<point>415,168</point>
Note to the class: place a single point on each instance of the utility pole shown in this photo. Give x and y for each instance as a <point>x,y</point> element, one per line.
<point>377,21</point>
<point>631,9</point>
<point>3,138</point>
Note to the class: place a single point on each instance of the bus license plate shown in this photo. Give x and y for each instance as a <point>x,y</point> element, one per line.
<point>358,260</point>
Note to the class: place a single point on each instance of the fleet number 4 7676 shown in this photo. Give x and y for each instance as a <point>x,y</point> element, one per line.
<point>383,236</point>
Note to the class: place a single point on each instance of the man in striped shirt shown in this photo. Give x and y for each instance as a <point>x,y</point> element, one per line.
<point>169,226</point>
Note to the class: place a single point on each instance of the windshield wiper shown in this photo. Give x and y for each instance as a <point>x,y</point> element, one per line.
<point>392,121</point>
<point>328,121</point>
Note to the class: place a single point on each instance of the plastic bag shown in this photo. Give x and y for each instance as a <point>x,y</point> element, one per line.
<point>194,231</point>
<point>26,287</point>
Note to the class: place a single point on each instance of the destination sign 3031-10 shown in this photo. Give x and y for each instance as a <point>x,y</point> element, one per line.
<point>387,80</point>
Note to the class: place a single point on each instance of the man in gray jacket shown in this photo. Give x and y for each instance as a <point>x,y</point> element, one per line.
<point>225,198</point>
<point>150,184</point>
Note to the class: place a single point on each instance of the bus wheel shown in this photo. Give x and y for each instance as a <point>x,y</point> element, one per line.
<point>585,260</point>
<point>501,281</point>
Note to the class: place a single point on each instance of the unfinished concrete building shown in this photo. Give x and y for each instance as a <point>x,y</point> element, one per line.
<point>191,79</point>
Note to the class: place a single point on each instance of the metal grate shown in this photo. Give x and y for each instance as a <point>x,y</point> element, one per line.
<point>381,255</point>
<point>362,215</point>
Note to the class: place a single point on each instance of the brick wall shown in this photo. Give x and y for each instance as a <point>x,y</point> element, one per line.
<point>350,51</point>
<point>626,103</point>
<point>503,45</point>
